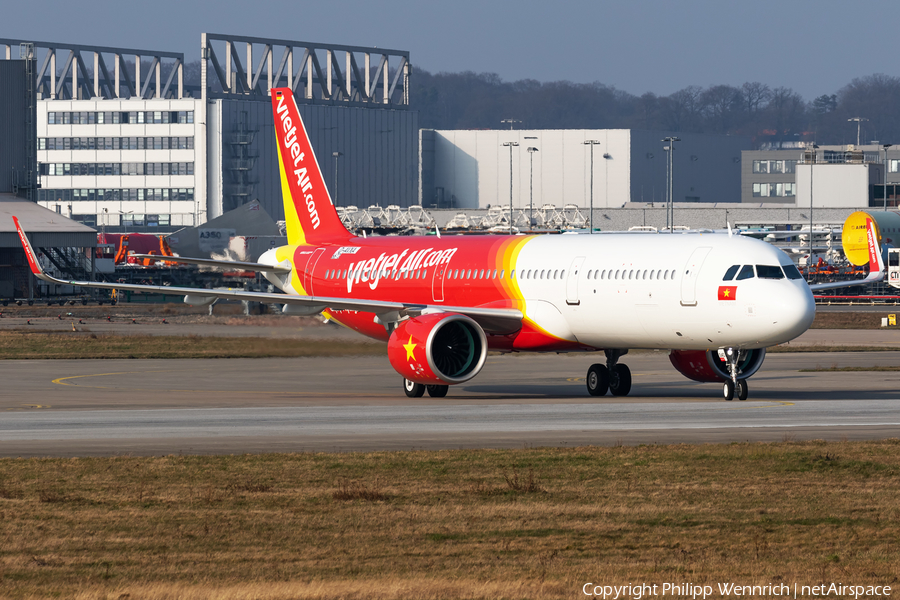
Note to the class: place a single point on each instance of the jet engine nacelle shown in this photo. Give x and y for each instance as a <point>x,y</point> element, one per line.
<point>438,348</point>
<point>708,366</point>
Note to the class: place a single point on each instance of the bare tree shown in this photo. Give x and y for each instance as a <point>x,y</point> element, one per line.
<point>720,105</point>
<point>786,112</point>
<point>682,110</point>
<point>755,95</point>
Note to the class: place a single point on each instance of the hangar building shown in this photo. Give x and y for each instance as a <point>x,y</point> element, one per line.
<point>124,144</point>
<point>471,169</point>
<point>61,242</point>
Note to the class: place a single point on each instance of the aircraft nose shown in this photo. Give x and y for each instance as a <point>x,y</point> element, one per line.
<point>796,311</point>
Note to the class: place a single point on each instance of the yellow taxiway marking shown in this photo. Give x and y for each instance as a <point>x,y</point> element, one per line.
<point>583,379</point>
<point>62,380</point>
<point>777,403</point>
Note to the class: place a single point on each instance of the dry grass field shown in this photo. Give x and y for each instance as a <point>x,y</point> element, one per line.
<point>528,523</point>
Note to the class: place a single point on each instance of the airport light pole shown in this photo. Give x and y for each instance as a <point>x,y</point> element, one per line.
<point>591,143</point>
<point>858,121</point>
<point>885,146</point>
<point>531,151</point>
<point>670,188</point>
<point>812,163</point>
<point>511,146</point>
<point>336,156</point>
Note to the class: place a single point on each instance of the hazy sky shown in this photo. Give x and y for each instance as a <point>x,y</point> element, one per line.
<point>634,45</point>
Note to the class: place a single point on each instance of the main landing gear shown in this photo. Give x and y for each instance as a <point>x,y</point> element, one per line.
<point>417,390</point>
<point>734,386</point>
<point>612,376</point>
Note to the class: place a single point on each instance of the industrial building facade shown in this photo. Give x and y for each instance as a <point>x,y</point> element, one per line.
<point>129,163</point>
<point>835,176</point>
<point>123,144</point>
<point>474,169</point>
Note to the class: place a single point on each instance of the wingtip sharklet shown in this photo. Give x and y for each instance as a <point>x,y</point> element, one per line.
<point>29,251</point>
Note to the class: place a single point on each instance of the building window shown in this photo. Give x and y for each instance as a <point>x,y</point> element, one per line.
<point>111,143</point>
<point>774,166</point>
<point>117,168</point>
<point>68,195</point>
<point>84,117</point>
<point>765,190</point>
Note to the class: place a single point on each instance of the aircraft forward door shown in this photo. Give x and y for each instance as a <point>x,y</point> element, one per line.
<point>572,282</point>
<point>689,276</point>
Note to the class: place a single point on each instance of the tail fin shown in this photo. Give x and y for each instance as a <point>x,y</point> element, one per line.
<point>308,209</point>
<point>876,262</point>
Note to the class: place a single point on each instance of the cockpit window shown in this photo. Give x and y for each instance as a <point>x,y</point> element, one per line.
<point>746,272</point>
<point>729,274</point>
<point>791,272</point>
<point>769,272</point>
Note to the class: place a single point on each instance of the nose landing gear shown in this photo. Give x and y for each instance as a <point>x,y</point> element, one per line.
<point>734,386</point>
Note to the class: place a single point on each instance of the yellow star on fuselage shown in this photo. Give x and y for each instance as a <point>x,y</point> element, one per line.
<point>409,350</point>
<point>727,292</point>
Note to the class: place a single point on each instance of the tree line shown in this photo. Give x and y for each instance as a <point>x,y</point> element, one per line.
<point>767,114</point>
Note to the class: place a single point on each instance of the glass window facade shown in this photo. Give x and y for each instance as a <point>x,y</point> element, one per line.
<point>775,166</point>
<point>71,195</point>
<point>116,143</point>
<point>766,190</point>
<point>107,117</point>
<point>54,169</point>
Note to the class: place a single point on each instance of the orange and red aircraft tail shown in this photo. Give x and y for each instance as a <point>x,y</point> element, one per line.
<point>308,210</point>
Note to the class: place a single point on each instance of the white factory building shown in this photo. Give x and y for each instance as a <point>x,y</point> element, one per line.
<point>130,163</point>
<point>471,169</point>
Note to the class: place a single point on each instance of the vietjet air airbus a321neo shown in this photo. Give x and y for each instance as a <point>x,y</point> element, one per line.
<point>715,301</point>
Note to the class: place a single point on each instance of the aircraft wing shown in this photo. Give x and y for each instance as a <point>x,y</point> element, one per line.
<point>872,277</point>
<point>493,320</point>
<point>223,264</point>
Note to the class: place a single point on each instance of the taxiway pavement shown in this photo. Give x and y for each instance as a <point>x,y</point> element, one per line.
<point>93,407</point>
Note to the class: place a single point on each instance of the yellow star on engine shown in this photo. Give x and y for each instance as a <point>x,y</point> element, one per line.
<point>409,350</point>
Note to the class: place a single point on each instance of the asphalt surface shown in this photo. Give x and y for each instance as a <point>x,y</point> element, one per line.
<point>92,407</point>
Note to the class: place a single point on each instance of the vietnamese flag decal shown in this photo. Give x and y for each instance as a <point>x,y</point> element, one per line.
<point>727,292</point>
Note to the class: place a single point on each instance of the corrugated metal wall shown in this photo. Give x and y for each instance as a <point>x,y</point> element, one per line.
<point>12,122</point>
<point>379,162</point>
<point>65,239</point>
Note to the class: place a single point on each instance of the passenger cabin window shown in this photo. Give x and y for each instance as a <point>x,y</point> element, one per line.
<point>769,272</point>
<point>791,272</point>
<point>746,272</point>
<point>731,272</point>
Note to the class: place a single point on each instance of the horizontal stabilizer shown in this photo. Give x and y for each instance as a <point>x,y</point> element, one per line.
<point>219,264</point>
